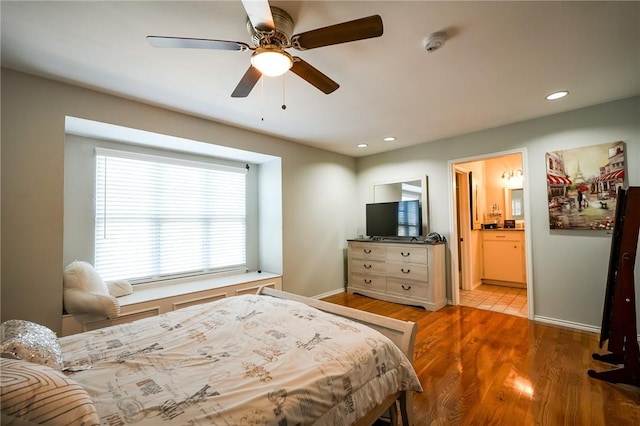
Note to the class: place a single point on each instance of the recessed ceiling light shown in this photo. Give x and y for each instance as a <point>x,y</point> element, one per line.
<point>362,145</point>
<point>557,95</point>
<point>389,139</point>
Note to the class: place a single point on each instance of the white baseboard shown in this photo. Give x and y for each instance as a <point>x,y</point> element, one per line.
<point>329,293</point>
<point>568,324</point>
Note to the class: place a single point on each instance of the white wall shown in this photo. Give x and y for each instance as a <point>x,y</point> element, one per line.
<point>317,192</point>
<point>569,267</point>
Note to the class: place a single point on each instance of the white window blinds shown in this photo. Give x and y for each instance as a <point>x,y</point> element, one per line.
<point>160,217</point>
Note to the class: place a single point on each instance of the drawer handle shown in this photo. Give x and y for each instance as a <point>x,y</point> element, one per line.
<point>405,255</point>
<point>367,281</point>
<point>501,236</point>
<point>405,272</point>
<point>367,266</point>
<point>406,288</point>
<point>367,251</point>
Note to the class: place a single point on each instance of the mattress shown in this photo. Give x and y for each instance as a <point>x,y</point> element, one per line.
<point>241,360</point>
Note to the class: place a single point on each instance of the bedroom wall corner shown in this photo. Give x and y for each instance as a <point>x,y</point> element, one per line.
<point>32,210</point>
<point>310,215</point>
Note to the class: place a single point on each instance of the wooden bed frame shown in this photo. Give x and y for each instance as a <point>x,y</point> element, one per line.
<point>402,333</point>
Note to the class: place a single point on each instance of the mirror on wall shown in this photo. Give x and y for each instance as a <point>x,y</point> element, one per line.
<point>514,203</point>
<point>415,189</point>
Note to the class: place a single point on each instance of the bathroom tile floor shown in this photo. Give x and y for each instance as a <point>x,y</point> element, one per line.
<point>509,300</point>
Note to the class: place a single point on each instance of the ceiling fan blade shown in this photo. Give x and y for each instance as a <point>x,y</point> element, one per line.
<point>313,76</point>
<point>358,29</point>
<point>196,43</point>
<point>249,79</point>
<point>259,13</point>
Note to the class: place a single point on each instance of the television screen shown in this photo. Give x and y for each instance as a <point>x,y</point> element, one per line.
<point>394,219</point>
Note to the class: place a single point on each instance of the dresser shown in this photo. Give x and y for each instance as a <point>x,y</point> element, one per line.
<point>503,258</point>
<point>407,273</point>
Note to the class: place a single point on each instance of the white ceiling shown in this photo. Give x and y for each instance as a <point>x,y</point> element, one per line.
<point>500,61</point>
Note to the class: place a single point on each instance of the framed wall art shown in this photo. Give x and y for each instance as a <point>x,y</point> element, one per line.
<point>582,184</point>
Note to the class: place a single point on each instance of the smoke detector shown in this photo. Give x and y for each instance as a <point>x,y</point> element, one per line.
<point>435,41</point>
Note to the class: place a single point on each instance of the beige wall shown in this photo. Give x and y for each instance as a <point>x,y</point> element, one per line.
<point>322,198</point>
<point>317,193</point>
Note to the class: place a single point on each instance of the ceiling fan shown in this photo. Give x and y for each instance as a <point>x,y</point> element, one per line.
<point>271,31</point>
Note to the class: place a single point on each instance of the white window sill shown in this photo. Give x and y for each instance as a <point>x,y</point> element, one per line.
<point>178,287</point>
<point>157,298</point>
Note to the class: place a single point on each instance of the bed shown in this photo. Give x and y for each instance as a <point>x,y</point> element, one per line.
<point>270,358</point>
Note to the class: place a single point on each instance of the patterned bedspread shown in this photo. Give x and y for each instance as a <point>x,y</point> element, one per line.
<point>238,361</point>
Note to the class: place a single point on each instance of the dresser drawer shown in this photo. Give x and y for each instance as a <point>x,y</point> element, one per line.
<point>407,254</point>
<point>368,251</point>
<point>367,266</point>
<point>502,235</point>
<point>407,288</point>
<point>412,273</point>
<point>372,282</point>
<point>408,271</point>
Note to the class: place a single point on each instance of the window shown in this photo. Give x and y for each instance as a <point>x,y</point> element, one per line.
<point>160,217</point>
<point>411,191</point>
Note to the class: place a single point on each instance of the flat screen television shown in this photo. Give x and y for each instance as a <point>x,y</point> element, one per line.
<point>394,219</point>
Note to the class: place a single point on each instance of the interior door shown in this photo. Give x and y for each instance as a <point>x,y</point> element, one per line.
<point>463,223</point>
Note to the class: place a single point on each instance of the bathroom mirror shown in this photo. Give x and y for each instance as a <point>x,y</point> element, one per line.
<point>415,189</point>
<point>514,203</point>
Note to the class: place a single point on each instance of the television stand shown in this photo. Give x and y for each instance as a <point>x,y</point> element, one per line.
<point>407,272</point>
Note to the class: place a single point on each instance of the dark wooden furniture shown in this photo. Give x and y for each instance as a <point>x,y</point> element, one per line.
<point>619,313</point>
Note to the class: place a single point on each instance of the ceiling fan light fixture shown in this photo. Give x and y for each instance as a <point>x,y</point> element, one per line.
<point>271,61</point>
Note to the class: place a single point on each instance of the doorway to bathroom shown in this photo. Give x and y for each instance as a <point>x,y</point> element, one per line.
<point>490,259</point>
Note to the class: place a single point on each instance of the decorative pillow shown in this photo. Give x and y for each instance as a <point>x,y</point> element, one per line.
<point>14,421</point>
<point>80,302</point>
<point>39,394</point>
<point>30,342</point>
<point>86,293</point>
<point>83,276</point>
<point>119,288</point>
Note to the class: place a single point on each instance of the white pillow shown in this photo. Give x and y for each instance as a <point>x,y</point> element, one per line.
<point>83,276</point>
<point>80,302</point>
<point>85,292</point>
<point>119,288</point>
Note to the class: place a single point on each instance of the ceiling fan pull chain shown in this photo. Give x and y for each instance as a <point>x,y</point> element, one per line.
<point>284,104</point>
<point>262,99</point>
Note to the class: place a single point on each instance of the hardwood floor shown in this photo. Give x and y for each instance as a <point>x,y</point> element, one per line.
<point>479,367</point>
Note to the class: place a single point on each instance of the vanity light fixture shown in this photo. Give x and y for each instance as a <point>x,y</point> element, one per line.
<point>512,174</point>
<point>513,178</point>
<point>362,145</point>
<point>389,139</point>
<point>557,95</point>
